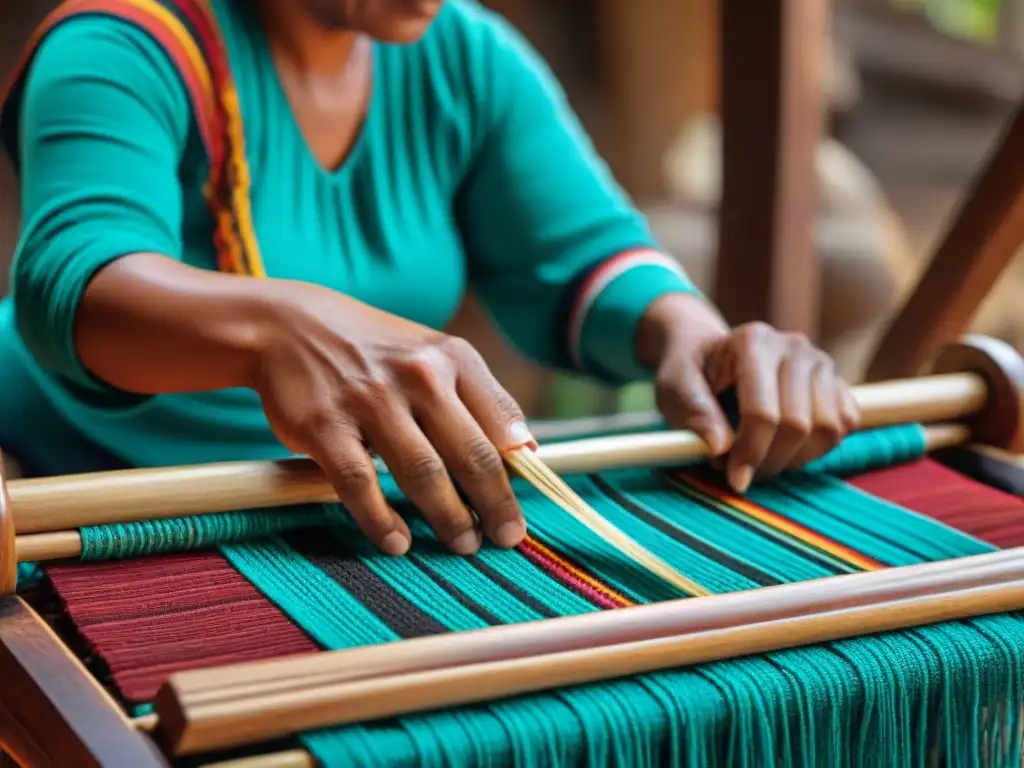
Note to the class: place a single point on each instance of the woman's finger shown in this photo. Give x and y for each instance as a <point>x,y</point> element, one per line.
<point>341,454</point>
<point>477,467</point>
<point>848,407</point>
<point>482,421</point>
<point>796,410</point>
<point>489,403</point>
<point>685,400</point>
<point>758,358</point>
<point>829,425</point>
<point>421,474</point>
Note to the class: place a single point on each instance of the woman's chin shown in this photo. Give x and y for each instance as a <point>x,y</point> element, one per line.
<point>409,22</point>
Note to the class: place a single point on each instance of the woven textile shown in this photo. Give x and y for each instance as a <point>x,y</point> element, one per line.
<point>887,700</point>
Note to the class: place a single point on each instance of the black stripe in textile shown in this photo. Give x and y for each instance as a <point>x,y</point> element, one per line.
<point>984,469</point>
<point>810,553</point>
<point>330,554</point>
<point>460,597</point>
<point>672,530</point>
<point>519,594</point>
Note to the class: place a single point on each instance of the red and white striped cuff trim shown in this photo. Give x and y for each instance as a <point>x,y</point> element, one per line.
<point>601,278</point>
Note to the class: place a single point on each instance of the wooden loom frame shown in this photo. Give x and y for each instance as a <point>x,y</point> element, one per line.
<point>982,240</point>
<point>54,713</point>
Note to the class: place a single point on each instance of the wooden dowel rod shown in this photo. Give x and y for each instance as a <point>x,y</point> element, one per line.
<point>40,547</point>
<point>72,501</point>
<point>63,545</point>
<point>597,629</point>
<point>217,726</point>
<point>928,399</point>
<point>945,436</point>
<point>292,758</point>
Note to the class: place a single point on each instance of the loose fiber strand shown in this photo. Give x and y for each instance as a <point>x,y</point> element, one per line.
<point>526,464</point>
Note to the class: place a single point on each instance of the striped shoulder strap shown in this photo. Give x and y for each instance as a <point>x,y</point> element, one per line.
<point>187,30</point>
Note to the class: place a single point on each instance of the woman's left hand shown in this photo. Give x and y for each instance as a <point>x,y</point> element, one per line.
<point>793,407</point>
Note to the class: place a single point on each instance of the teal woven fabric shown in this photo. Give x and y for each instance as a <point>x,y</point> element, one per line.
<point>892,700</point>
<point>882,701</point>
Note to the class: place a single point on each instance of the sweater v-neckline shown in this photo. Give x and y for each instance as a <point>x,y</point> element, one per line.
<point>364,129</point>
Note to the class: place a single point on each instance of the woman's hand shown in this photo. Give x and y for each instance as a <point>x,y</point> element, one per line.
<point>336,376</point>
<point>793,407</point>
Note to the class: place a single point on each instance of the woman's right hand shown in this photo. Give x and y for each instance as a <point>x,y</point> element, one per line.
<point>337,377</point>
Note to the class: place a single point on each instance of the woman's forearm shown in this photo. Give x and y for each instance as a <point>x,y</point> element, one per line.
<point>152,325</point>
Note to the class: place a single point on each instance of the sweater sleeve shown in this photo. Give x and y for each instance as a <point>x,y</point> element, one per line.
<point>104,121</point>
<point>559,255</point>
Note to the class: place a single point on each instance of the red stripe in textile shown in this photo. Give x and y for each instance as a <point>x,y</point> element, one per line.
<point>150,617</point>
<point>932,489</point>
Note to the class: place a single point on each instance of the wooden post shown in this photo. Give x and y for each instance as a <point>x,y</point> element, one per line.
<point>981,243</point>
<point>772,58</point>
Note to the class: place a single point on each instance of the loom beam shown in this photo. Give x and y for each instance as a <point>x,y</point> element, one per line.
<point>591,630</point>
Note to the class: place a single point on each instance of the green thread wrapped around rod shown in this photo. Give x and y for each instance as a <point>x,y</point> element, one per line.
<point>872,449</point>
<point>108,542</point>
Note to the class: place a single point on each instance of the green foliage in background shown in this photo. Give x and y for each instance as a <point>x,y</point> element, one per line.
<point>971,19</point>
<point>571,397</point>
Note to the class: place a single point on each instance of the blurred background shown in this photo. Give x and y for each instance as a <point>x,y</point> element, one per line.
<point>834,139</point>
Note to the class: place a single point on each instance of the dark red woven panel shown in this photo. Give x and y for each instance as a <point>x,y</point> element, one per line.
<point>937,491</point>
<point>149,617</point>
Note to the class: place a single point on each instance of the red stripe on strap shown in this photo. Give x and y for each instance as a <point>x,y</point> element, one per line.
<point>167,31</point>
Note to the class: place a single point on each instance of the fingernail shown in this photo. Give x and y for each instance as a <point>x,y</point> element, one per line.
<point>395,543</point>
<point>742,478</point>
<point>520,435</point>
<point>509,534</point>
<point>466,543</point>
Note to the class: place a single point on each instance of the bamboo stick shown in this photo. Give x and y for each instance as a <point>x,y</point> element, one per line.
<point>267,678</point>
<point>525,463</point>
<point>225,724</point>
<point>61,503</point>
<point>619,452</point>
